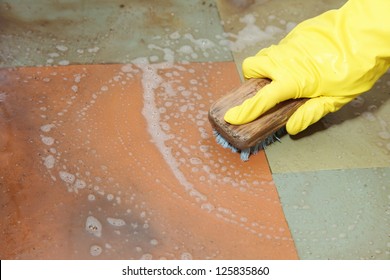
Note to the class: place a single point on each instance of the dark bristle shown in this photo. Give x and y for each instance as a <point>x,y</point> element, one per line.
<point>246,153</point>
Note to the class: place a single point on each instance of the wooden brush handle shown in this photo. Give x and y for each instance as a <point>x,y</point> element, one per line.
<point>248,135</point>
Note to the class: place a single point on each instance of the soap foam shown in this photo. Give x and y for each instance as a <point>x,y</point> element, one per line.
<point>252,35</point>
<point>62,48</point>
<point>116,222</point>
<point>93,226</point>
<point>95,250</point>
<point>49,161</point>
<point>75,88</point>
<point>67,177</point>
<point>47,140</point>
<point>186,256</point>
<point>79,184</point>
<point>47,127</point>
<point>150,82</point>
<point>93,50</point>
<point>63,62</point>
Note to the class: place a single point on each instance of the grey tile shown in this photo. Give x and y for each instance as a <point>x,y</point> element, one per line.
<point>47,32</point>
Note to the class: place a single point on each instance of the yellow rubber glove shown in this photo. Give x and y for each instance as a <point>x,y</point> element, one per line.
<point>330,59</point>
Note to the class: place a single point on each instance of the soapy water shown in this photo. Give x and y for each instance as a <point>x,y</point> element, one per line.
<point>165,93</point>
<point>93,226</point>
<point>168,103</point>
<point>164,127</point>
<point>95,250</point>
<point>160,131</point>
<point>187,47</point>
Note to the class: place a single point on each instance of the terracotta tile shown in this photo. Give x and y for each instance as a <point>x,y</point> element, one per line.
<point>119,162</point>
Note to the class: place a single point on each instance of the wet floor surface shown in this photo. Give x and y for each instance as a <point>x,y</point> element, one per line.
<point>135,174</point>
<point>106,151</point>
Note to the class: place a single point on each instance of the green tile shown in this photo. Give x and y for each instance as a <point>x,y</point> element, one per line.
<point>342,214</point>
<point>45,32</point>
<point>357,136</point>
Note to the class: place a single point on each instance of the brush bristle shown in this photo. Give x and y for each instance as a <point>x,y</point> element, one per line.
<point>246,153</point>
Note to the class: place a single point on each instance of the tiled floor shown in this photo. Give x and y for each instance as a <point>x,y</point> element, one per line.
<point>106,152</point>
<point>119,161</point>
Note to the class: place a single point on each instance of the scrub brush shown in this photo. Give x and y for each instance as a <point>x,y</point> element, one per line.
<point>249,138</point>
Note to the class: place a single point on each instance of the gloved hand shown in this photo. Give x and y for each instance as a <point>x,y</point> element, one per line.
<point>330,59</point>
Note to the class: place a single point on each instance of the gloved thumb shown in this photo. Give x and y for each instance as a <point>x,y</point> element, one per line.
<point>265,99</point>
<point>312,111</point>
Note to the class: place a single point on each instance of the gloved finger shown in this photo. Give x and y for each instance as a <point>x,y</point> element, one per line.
<point>258,66</point>
<point>265,99</point>
<point>312,111</point>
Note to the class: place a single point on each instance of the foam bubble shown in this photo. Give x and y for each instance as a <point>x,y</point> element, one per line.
<point>169,54</point>
<point>49,161</point>
<point>153,58</point>
<point>93,226</point>
<point>127,68</point>
<point>80,184</point>
<point>93,50</point>
<point>204,148</point>
<point>193,82</point>
<point>75,88</point>
<point>195,161</point>
<point>186,49</point>
<point>186,256</point>
<point>47,127</point>
<point>95,250</point>
<point>47,140</point>
<point>153,242</point>
<point>369,116</point>
<point>290,26</point>
<point>77,78</point>
<point>146,257</point>
<point>202,43</point>
<point>251,34</point>
<point>116,222</point>
<point>54,54</point>
<point>151,81</point>
<point>62,48</point>
<point>207,207</point>
<point>175,35</point>
<point>67,177</point>
<point>64,62</point>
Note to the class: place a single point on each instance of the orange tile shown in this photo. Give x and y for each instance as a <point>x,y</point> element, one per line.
<point>119,162</point>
